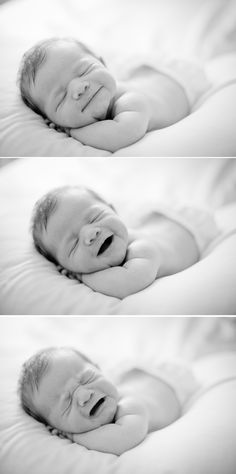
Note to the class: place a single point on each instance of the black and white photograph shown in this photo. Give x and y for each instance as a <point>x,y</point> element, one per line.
<point>118,236</point>
<point>117,78</point>
<point>101,236</point>
<point>118,395</point>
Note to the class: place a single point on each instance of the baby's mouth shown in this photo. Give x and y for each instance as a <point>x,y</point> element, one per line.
<point>91,98</point>
<point>94,410</point>
<point>105,245</point>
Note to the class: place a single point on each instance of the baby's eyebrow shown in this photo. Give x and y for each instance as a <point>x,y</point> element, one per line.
<point>72,383</point>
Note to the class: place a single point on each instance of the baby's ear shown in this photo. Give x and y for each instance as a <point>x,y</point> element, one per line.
<point>102,61</point>
<point>112,207</point>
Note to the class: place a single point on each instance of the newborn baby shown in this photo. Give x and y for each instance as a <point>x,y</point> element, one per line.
<point>78,230</point>
<point>63,389</point>
<point>65,82</point>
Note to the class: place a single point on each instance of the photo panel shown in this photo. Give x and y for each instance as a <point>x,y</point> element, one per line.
<point>152,237</point>
<point>160,364</point>
<point>153,78</point>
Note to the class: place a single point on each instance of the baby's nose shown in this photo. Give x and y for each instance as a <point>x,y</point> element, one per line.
<point>83,396</point>
<point>91,234</point>
<point>78,88</point>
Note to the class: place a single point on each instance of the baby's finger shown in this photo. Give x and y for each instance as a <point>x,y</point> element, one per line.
<point>67,131</point>
<point>71,276</point>
<point>59,268</point>
<point>64,272</point>
<point>55,432</point>
<point>78,277</point>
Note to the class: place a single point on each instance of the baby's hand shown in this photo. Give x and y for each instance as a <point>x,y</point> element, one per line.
<point>56,127</point>
<point>69,274</point>
<point>67,131</point>
<point>61,434</point>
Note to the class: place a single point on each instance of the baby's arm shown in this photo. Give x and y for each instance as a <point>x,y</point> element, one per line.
<point>129,124</point>
<point>129,429</point>
<point>166,247</point>
<point>138,272</point>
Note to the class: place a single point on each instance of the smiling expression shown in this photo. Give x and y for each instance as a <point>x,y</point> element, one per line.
<point>72,88</point>
<point>74,396</point>
<point>84,234</point>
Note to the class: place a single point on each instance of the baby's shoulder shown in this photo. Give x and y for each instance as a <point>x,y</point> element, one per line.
<point>128,405</point>
<point>140,248</point>
<point>127,99</point>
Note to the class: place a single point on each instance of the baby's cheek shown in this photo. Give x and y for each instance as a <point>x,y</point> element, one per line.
<point>77,262</point>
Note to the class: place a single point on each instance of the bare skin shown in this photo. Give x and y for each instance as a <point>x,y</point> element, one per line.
<point>146,404</point>
<point>157,247</point>
<point>77,94</point>
<point>148,101</point>
<point>140,403</point>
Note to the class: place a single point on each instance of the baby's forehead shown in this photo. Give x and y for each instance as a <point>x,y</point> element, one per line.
<point>67,356</point>
<point>83,197</point>
<point>68,47</point>
<point>64,365</point>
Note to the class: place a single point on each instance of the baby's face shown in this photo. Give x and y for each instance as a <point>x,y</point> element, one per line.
<point>73,88</point>
<point>84,234</point>
<point>74,396</point>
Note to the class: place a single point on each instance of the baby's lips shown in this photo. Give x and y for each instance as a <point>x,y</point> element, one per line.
<point>95,408</point>
<point>100,251</point>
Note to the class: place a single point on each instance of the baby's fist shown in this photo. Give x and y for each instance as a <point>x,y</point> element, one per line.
<point>68,273</point>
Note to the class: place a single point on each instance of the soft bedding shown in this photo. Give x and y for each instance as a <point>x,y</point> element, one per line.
<point>200,30</point>
<point>29,284</point>
<point>201,442</point>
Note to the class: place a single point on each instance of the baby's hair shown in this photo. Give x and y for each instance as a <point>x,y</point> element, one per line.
<point>32,373</point>
<point>31,62</point>
<point>42,211</point>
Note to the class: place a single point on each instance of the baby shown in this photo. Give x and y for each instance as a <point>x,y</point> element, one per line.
<point>78,230</point>
<point>63,389</point>
<point>65,82</point>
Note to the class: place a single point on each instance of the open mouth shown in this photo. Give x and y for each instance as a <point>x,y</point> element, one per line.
<point>96,407</point>
<point>107,242</point>
<point>91,98</point>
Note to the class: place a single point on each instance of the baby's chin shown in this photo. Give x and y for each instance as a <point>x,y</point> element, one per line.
<point>119,256</point>
<point>114,261</point>
<point>110,413</point>
<point>98,112</point>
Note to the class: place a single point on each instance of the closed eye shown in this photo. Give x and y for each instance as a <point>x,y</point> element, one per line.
<point>87,377</point>
<point>74,247</point>
<point>86,70</point>
<point>61,100</point>
<point>96,217</point>
<point>68,404</point>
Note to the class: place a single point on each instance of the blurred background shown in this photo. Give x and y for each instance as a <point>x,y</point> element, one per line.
<point>117,29</point>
